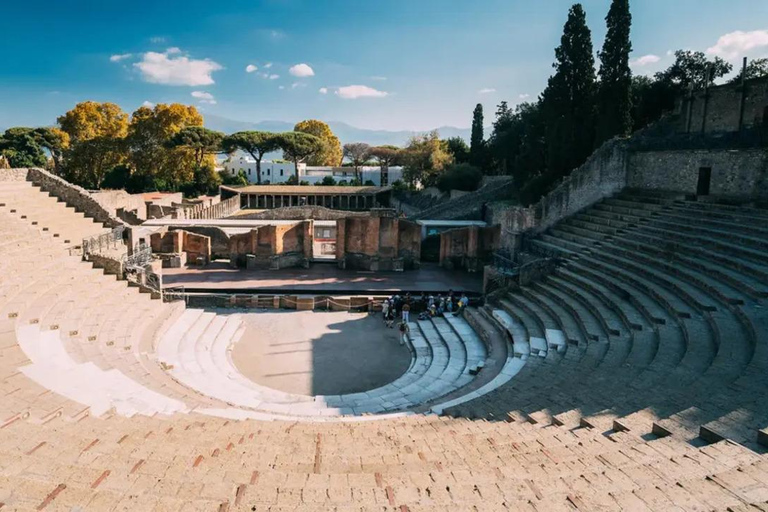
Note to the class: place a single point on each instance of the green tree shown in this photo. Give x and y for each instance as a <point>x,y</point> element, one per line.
<point>357,153</point>
<point>614,103</point>
<point>477,138</point>
<point>327,181</point>
<point>693,69</point>
<point>518,142</point>
<point>202,141</point>
<point>88,161</point>
<point>148,139</point>
<point>464,177</point>
<point>569,100</point>
<point>205,181</point>
<point>91,119</point>
<point>256,144</point>
<point>425,157</point>
<point>756,68</point>
<point>237,180</point>
<point>298,146</point>
<point>21,147</point>
<point>55,141</point>
<point>386,156</point>
<point>458,148</point>
<point>331,154</point>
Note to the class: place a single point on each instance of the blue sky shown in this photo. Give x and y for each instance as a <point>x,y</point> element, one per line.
<point>384,64</point>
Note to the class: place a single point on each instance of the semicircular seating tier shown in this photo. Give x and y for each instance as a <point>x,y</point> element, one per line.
<point>633,377</point>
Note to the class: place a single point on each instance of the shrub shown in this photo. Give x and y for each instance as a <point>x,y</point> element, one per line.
<point>369,183</point>
<point>328,181</point>
<point>460,177</point>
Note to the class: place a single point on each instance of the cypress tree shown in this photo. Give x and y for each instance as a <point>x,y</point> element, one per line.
<point>477,141</point>
<point>615,90</point>
<point>569,100</point>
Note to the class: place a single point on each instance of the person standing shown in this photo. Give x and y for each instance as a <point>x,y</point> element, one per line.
<point>385,309</point>
<point>406,312</point>
<point>404,330</point>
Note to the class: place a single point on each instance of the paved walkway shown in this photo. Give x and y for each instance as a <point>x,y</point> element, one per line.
<point>321,278</point>
<point>316,353</point>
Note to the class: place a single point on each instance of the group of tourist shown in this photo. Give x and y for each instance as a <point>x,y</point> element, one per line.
<point>426,306</point>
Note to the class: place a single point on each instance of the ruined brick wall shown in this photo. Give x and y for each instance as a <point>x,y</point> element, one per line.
<point>604,174</point>
<point>409,243</point>
<point>180,241</point>
<point>719,109</point>
<point>289,239</point>
<point>196,246</point>
<point>300,213</point>
<point>121,200</point>
<point>734,173</point>
<point>388,237</point>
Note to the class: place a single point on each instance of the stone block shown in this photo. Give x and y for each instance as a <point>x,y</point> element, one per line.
<point>660,431</point>
<point>339,304</point>
<point>251,262</point>
<point>305,303</point>
<point>710,435</point>
<point>762,437</point>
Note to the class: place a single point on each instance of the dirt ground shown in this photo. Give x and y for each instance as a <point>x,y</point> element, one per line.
<point>319,353</point>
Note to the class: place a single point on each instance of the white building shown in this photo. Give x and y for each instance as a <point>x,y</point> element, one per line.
<point>278,172</point>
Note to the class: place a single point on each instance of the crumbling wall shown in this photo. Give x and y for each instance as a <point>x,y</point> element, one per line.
<point>193,245</point>
<point>468,248</point>
<point>734,172</point>
<point>409,243</point>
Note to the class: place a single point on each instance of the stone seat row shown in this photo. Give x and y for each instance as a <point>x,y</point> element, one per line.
<point>678,333</point>
<point>416,462</point>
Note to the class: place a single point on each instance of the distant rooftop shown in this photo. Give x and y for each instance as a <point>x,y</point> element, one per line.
<point>308,190</point>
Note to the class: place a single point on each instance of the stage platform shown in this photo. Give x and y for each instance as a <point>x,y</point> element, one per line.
<point>321,278</point>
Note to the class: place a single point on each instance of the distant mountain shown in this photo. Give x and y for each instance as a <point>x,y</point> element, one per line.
<point>345,132</point>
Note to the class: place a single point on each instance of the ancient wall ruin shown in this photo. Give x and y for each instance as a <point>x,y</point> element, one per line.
<point>195,248</point>
<point>719,109</point>
<point>734,172</point>
<point>377,243</point>
<point>272,247</point>
<point>468,248</point>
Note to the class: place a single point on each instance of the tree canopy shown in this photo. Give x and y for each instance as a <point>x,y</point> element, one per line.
<point>331,153</point>
<point>357,153</point>
<point>255,143</point>
<point>477,138</point>
<point>298,146</point>
<point>91,119</point>
<point>614,105</point>
<point>458,148</point>
<point>425,157</point>
<point>149,134</point>
<point>21,147</point>
<point>200,140</point>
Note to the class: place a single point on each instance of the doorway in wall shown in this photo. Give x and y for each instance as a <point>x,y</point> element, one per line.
<point>705,177</point>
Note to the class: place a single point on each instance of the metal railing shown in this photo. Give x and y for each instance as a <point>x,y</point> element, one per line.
<point>99,243</point>
<point>139,258</point>
<point>174,294</point>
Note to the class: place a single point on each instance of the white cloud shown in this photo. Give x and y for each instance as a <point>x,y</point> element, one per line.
<point>281,87</point>
<point>250,68</point>
<point>204,97</point>
<point>119,57</point>
<point>645,60</point>
<point>737,44</point>
<point>323,90</point>
<point>267,65</point>
<point>487,90</point>
<point>173,50</point>
<point>301,70</point>
<point>296,85</point>
<point>148,104</point>
<point>351,92</point>
<point>273,77</point>
<point>157,40</point>
<point>524,97</point>
<point>378,78</point>
<point>161,68</point>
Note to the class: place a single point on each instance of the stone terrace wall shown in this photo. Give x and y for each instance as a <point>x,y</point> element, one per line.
<point>469,206</point>
<point>604,174</point>
<point>13,174</point>
<point>74,196</point>
<point>734,173</point>
<point>719,109</point>
<point>301,213</point>
<point>117,200</point>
